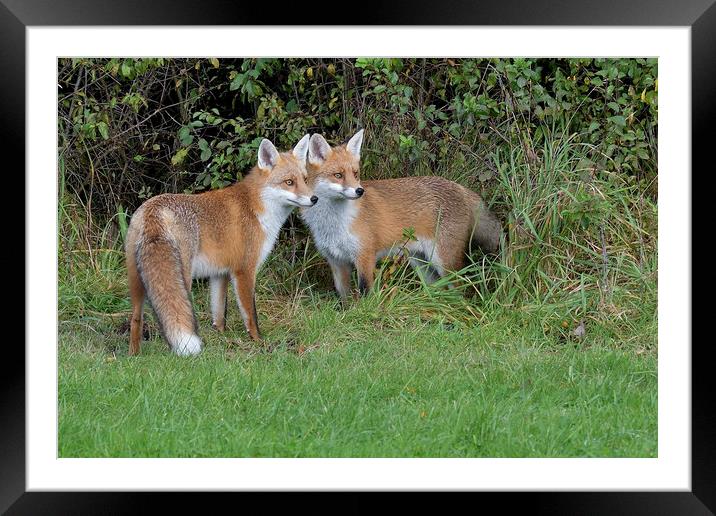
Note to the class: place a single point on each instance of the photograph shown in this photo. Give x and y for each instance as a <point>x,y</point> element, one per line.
<point>352,257</point>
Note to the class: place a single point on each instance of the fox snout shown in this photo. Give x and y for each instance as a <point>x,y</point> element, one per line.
<point>305,196</point>
<point>305,200</point>
<point>333,190</point>
<point>351,192</point>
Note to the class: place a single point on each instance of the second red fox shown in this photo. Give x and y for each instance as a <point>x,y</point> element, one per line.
<point>357,222</point>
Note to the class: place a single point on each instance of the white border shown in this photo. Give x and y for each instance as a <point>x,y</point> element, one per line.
<point>672,468</point>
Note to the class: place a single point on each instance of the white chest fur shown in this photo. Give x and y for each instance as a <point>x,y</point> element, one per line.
<point>330,224</point>
<point>271,219</point>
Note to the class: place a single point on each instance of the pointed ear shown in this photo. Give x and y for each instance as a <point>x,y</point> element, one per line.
<point>268,155</point>
<point>300,151</point>
<point>318,150</point>
<point>354,144</point>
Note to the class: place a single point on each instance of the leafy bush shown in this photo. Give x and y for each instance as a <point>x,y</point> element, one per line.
<point>133,128</point>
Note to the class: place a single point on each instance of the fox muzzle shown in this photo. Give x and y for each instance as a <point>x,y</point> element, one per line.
<point>352,193</point>
<point>305,201</point>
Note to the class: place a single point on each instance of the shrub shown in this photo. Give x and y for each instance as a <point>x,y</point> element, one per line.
<point>133,128</point>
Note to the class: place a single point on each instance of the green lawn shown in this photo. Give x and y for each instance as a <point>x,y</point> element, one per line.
<point>362,381</point>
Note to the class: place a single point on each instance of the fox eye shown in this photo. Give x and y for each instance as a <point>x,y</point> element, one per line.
<point>338,175</point>
<point>289,182</point>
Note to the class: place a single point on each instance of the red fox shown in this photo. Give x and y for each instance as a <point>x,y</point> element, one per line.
<point>220,234</point>
<point>358,223</point>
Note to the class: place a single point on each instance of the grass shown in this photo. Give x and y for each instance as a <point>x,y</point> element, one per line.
<point>497,366</point>
<point>350,383</point>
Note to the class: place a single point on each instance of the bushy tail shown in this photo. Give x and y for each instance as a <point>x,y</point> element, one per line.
<point>487,229</point>
<point>160,267</point>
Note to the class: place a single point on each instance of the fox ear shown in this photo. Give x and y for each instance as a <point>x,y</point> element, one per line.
<point>268,155</point>
<point>300,151</point>
<point>318,150</point>
<point>354,144</point>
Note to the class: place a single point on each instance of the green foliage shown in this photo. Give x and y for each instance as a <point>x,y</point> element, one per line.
<point>153,125</point>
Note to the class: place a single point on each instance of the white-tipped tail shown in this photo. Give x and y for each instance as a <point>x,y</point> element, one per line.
<point>186,344</point>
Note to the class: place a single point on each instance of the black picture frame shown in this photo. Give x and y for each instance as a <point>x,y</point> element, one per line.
<point>700,15</point>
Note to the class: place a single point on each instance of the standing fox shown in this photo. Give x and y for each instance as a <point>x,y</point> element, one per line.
<point>173,238</point>
<point>359,223</point>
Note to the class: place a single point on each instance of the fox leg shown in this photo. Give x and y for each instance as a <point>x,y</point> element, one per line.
<point>425,271</point>
<point>341,277</point>
<point>365,264</point>
<point>217,286</point>
<point>453,261</point>
<point>244,286</point>
<point>136,294</point>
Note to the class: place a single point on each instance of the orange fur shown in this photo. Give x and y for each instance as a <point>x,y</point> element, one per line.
<point>217,234</point>
<point>444,215</point>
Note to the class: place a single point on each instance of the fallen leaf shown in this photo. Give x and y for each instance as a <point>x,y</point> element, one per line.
<point>579,331</point>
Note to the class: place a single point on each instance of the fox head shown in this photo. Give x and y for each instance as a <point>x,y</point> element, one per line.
<point>334,172</point>
<point>284,174</point>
